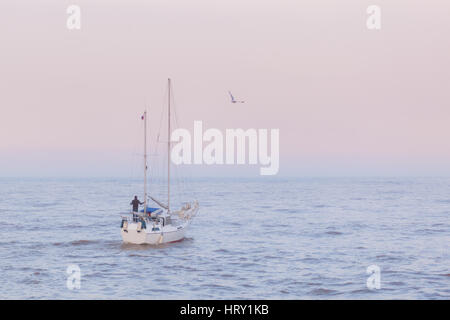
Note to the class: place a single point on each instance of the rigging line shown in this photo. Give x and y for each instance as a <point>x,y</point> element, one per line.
<point>134,160</point>
<point>179,177</point>
<point>182,185</point>
<point>175,109</point>
<point>149,150</point>
<point>131,187</point>
<point>162,115</point>
<point>157,168</point>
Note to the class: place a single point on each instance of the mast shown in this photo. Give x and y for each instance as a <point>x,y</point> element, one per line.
<point>145,162</point>
<point>168,153</point>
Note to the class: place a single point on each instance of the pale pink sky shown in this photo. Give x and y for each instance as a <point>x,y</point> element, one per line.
<point>346,100</point>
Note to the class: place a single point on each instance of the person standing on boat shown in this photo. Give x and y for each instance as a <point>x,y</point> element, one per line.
<point>135,202</point>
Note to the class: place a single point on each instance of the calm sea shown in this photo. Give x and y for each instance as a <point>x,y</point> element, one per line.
<point>252,239</point>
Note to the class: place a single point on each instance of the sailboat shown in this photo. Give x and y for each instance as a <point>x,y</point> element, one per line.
<point>161,224</point>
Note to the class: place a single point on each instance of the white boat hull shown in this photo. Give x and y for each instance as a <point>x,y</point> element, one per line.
<point>131,234</point>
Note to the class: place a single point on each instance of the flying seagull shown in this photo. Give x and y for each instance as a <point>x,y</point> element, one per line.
<point>233,100</point>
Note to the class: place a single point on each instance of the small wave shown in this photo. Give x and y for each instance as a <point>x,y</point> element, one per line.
<point>137,255</point>
<point>396,283</point>
<point>358,226</point>
<point>74,226</point>
<point>143,247</point>
<point>321,206</point>
<point>35,271</point>
<point>270,257</point>
<point>357,291</point>
<point>387,257</point>
<point>7,243</point>
<point>75,243</point>
<point>221,250</point>
<point>31,281</point>
<point>438,225</point>
<point>44,205</point>
<point>185,268</point>
<point>286,210</point>
<point>83,242</point>
<point>244,265</point>
<point>322,291</point>
<point>227,276</point>
<point>313,283</point>
<point>310,259</point>
<point>334,233</point>
<point>216,286</point>
<point>427,231</point>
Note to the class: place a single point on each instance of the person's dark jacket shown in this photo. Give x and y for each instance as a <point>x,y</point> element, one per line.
<point>136,203</point>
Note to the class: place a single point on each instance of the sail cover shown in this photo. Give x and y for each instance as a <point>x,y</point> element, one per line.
<point>150,210</point>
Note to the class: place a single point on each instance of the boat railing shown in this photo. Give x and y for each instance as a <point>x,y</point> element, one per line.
<point>131,216</point>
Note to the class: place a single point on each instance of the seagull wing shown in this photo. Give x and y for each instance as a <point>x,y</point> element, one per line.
<point>232,98</point>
